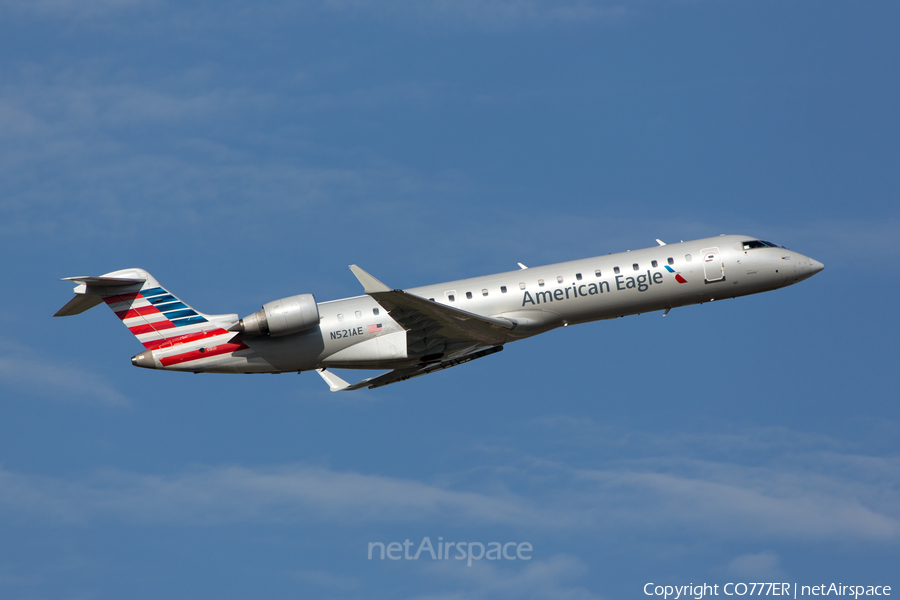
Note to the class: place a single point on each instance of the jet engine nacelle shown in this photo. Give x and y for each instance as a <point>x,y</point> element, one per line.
<point>282,317</point>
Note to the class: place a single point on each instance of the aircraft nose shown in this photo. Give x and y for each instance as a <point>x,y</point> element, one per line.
<point>815,266</point>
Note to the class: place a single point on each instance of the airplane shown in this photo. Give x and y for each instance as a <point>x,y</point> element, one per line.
<point>423,330</point>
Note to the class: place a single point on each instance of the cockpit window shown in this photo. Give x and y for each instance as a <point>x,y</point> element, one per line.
<point>749,245</point>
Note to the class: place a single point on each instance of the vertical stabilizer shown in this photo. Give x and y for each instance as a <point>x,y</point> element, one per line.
<point>153,314</point>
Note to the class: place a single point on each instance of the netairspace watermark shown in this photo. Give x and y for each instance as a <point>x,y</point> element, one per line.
<point>764,589</point>
<point>468,551</point>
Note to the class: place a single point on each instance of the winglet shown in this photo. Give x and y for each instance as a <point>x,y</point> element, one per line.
<point>334,382</point>
<point>369,283</point>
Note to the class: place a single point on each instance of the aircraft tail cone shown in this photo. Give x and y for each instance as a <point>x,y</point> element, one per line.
<point>144,359</point>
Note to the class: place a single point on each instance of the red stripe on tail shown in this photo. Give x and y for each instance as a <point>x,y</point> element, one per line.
<point>183,339</point>
<point>122,298</point>
<point>152,327</point>
<point>137,312</point>
<point>196,354</point>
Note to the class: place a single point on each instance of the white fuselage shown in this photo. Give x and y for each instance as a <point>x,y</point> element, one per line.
<point>358,333</point>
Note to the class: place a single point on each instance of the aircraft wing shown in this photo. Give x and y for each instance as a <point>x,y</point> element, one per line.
<point>429,323</point>
<point>337,384</point>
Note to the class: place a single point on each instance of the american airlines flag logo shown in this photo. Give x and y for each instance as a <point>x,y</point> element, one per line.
<point>678,276</point>
<point>375,328</point>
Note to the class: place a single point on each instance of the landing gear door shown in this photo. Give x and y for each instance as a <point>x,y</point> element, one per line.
<point>713,269</point>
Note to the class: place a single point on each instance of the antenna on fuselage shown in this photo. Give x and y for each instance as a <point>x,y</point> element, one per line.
<point>521,266</point>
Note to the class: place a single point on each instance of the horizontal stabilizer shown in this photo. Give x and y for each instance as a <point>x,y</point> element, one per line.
<point>78,305</point>
<point>91,290</point>
<point>104,281</point>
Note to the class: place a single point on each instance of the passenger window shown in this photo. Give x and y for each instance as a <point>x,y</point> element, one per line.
<point>541,282</point>
<point>451,298</point>
<point>559,279</point>
<point>358,315</point>
<point>484,292</point>
<point>578,276</point>
<point>654,264</point>
<point>375,311</point>
<point>522,286</point>
<point>597,272</point>
<point>616,270</point>
<point>340,317</point>
<point>503,289</point>
<point>469,295</point>
<point>671,261</point>
<point>636,267</point>
<point>687,257</point>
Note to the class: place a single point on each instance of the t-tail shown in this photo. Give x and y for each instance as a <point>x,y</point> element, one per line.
<point>175,335</point>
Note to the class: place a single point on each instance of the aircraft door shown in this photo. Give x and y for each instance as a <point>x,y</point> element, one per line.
<point>713,268</point>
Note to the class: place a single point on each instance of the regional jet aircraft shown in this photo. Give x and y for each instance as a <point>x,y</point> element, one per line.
<point>421,330</point>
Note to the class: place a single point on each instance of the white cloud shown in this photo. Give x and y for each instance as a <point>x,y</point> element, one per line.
<point>818,500</point>
<point>763,566</point>
<point>741,503</point>
<point>539,578</point>
<point>75,167</point>
<point>24,370</point>
<point>291,494</point>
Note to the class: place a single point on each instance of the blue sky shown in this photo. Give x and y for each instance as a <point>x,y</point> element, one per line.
<point>247,153</point>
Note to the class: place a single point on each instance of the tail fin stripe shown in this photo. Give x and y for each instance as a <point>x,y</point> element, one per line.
<point>166,331</point>
<point>162,299</point>
<point>151,327</point>
<point>145,320</point>
<point>226,348</point>
<point>140,311</point>
<point>110,300</point>
<point>188,337</point>
<point>189,321</point>
<point>177,314</point>
<point>170,306</point>
<point>119,306</point>
<point>153,292</point>
<point>151,340</point>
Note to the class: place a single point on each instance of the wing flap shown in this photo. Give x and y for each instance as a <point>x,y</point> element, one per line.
<point>336,384</point>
